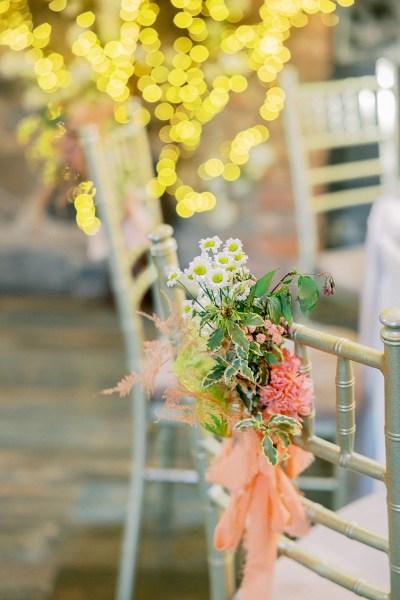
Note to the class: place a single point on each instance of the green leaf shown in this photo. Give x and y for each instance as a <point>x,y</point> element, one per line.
<point>281,419</point>
<point>277,352</point>
<point>219,426</point>
<point>284,424</point>
<point>252,319</point>
<point>213,376</point>
<point>215,340</point>
<point>271,358</point>
<point>308,293</point>
<point>237,336</point>
<point>286,307</point>
<point>245,423</point>
<point>205,319</point>
<point>246,371</point>
<point>245,396</point>
<point>262,285</point>
<point>219,359</point>
<point>241,353</point>
<point>255,348</point>
<point>232,370</point>
<point>270,452</point>
<point>211,308</point>
<point>283,438</point>
<point>263,374</point>
<point>274,308</point>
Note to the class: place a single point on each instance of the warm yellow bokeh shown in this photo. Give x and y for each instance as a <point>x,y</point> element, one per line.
<point>218,48</point>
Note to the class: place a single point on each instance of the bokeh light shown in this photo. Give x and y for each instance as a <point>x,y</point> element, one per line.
<point>219,48</point>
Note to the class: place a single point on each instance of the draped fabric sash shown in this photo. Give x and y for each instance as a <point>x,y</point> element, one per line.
<point>263,501</point>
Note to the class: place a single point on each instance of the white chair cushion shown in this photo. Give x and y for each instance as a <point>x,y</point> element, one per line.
<point>295,582</point>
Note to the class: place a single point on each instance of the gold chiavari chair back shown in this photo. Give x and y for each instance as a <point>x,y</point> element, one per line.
<point>355,118</point>
<point>120,165</point>
<point>387,361</point>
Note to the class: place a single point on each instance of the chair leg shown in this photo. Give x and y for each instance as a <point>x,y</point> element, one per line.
<point>129,553</point>
<point>221,565</point>
<point>168,451</point>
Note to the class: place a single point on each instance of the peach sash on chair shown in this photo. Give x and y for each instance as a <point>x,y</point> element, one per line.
<point>263,501</point>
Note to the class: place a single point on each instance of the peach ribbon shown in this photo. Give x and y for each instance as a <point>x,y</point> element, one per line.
<point>264,501</point>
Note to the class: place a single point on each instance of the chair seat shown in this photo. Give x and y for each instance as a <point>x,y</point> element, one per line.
<point>346,265</point>
<point>295,582</point>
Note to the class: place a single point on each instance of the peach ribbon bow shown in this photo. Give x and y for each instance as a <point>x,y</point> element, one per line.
<point>264,501</point>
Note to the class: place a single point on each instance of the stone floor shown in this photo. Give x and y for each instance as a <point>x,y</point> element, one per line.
<point>64,456</point>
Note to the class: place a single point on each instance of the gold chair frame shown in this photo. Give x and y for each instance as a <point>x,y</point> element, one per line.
<point>123,155</point>
<point>222,579</point>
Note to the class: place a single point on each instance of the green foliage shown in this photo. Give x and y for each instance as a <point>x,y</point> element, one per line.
<point>285,299</point>
<point>270,452</point>
<point>218,426</point>
<point>214,375</point>
<point>232,370</point>
<point>215,340</point>
<point>308,293</point>
<point>274,308</point>
<point>262,285</point>
<point>279,427</point>
<point>252,319</point>
<point>237,336</point>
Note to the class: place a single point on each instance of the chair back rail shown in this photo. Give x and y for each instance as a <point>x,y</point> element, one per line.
<point>104,158</point>
<point>388,362</point>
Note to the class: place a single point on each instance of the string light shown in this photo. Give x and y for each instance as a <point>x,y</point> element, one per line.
<point>218,47</point>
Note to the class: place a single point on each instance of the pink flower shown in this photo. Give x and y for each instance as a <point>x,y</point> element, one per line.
<point>274,331</point>
<point>260,337</point>
<point>251,328</point>
<point>249,338</point>
<point>287,393</point>
<point>277,338</point>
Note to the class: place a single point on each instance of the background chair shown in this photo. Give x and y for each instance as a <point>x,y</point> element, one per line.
<point>353,120</point>
<point>120,165</point>
<point>222,576</point>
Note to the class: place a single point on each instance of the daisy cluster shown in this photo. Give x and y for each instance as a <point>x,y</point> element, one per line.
<point>219,273</point>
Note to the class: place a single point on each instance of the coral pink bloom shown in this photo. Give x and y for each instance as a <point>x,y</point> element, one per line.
<point>287,393</point>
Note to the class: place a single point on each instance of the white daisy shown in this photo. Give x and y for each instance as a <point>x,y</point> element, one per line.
<point>223,259</point>
<point>188,275</point>
<point>218,279</point>
<point>189,282</point>
<point>240,258</point>
<point>187,306</point>
<point>233,245</point>
<point>173,276</point>
<point>199,268</point>
<point>210,244</point>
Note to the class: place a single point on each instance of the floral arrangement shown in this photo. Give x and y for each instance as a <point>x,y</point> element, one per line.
<point>233,360</point>
<point>228,355</point>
